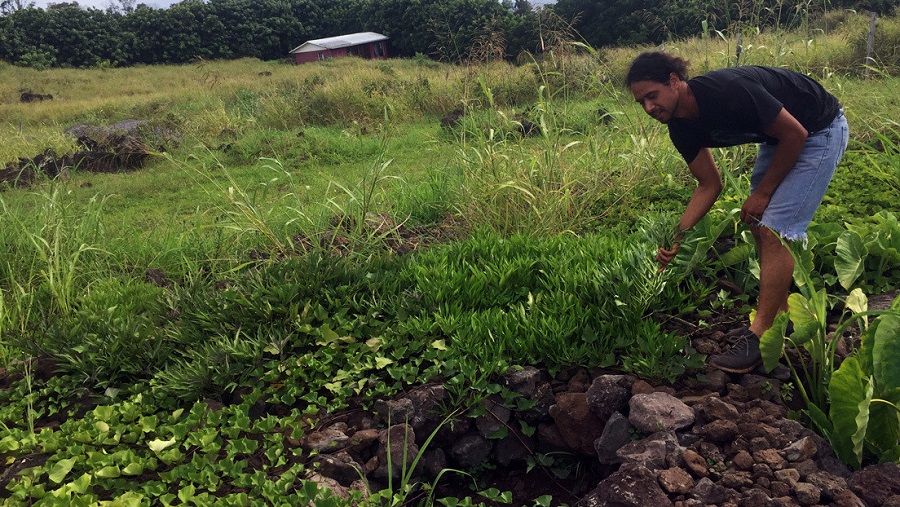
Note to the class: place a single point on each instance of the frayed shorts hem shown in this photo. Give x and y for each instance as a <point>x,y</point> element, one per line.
<point>792,237</point>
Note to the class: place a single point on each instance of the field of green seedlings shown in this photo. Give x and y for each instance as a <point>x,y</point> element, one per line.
<point>316,237</point>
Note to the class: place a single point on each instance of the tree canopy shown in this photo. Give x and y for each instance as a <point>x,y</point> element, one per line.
<point>128,33</point>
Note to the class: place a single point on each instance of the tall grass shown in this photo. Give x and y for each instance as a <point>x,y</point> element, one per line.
<point>821,44</point>
<point>60,242</point>
<point>882,150</point>
<point>273,155</point>
<point>51,256</point>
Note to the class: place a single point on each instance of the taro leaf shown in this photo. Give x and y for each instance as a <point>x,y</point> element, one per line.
<point>851,256</point>
<point>864,352</point>
<point>884,426</point>
<point>857,302</point>
<point>886,352</point>
<point>61,469</point>
<point>884,431</point>
<point>736,255</point>
<point>891,456</point>
<point>887,238</point>
<point>803,315</point>
<point>863,419</point>
<point>804,263</point>
<point>850,393</point>
<point>771,344</point>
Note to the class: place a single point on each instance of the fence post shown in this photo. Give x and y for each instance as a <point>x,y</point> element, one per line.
<point>870,47</point>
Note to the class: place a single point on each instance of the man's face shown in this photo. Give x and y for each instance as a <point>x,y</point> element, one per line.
<point>659,100</point>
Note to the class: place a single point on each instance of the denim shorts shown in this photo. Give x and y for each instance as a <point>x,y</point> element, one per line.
<point>794,202</point>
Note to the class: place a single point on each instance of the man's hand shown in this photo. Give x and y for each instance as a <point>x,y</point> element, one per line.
<point>754,207</point>
<point>664,256</point>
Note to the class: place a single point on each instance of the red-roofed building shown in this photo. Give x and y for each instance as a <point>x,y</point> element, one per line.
<point>363,44</point>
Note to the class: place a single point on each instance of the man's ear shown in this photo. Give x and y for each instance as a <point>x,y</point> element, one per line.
<point>673,78</point>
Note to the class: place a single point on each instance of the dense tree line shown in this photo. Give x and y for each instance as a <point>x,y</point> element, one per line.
<point>618,22</point>
<point>66,35</point>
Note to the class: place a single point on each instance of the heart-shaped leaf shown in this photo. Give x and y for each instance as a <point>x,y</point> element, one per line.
<point>61,469</point>
<point>851,255</point>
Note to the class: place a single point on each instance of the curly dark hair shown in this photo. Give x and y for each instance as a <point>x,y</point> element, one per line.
<point>656,66</point>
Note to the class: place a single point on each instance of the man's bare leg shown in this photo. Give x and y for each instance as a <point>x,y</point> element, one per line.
<point>776,271</point>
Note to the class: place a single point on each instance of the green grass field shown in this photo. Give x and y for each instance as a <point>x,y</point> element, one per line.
<point>277,219</point>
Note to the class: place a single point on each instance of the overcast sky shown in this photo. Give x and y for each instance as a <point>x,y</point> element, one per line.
<point>103,4</point>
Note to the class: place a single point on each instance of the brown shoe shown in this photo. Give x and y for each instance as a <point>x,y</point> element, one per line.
<point>742,357</point>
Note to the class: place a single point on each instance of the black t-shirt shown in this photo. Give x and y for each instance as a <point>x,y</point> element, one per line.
<point>736,104</point>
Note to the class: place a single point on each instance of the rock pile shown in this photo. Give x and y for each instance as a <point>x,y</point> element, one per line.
<point>122,146</point>
<point>719,441</point>
<point>27,96</point>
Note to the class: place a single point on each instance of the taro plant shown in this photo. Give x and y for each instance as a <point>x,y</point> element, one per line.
<point>869,250</point>
<point>837,403</point>
<point>863,252</point>
<point>809,314</point>
<point>865,396</point>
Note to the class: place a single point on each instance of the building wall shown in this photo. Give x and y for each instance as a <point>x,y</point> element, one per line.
<point>315,56</point>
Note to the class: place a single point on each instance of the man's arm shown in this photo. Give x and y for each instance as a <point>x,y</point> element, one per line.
<point>791,137</point>
<point>709,186</point>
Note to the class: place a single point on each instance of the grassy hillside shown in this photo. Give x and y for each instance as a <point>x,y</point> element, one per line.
<point>311,235</point>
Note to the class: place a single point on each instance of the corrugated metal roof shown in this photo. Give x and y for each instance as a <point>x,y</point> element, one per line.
<point>341,41</point>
